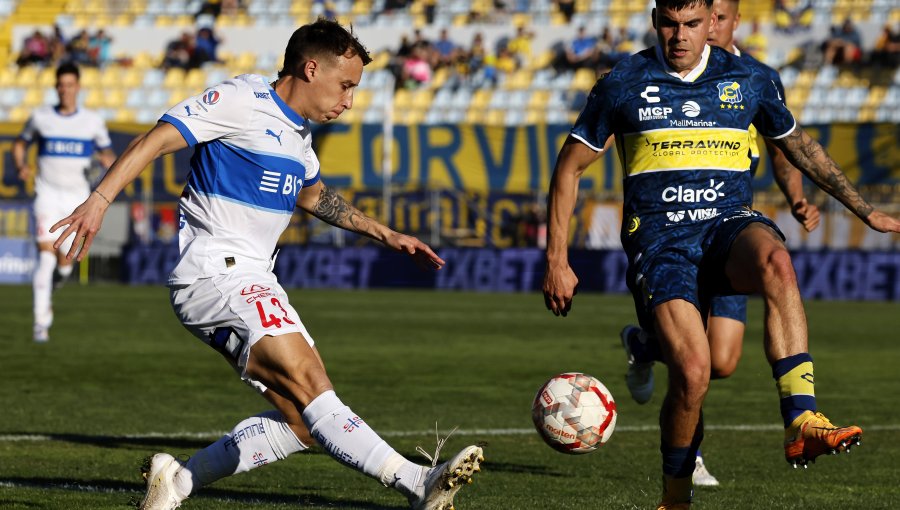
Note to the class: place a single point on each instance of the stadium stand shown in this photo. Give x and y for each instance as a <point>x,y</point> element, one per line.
<point>138,85</point>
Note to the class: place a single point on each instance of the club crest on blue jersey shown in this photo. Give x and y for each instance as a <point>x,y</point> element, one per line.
<point>730,92</point>
<point>211,97</point>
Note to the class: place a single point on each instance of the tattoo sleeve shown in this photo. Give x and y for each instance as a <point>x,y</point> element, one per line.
<point>810,157</point>
<point>335,210</point>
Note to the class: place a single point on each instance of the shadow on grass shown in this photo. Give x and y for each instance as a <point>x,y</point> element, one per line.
<point>133,492</point>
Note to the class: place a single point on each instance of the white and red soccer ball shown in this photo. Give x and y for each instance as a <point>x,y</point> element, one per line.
<point>574,413</point>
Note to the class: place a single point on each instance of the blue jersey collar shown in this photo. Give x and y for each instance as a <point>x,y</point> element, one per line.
<point>286,110</point>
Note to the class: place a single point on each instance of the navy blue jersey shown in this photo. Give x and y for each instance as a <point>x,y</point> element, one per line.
<point>685,142</point>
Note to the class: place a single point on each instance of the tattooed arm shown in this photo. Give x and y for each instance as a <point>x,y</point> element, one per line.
<point>810,157</point>
<point>325,204</point>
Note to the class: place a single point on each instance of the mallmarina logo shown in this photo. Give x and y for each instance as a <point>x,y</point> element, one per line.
<point>691,123</point>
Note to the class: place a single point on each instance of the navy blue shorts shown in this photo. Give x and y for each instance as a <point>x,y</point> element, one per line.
<point>731,307</point>
<point>674,258</point>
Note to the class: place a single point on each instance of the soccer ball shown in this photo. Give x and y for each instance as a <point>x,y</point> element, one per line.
<point>574,413</point>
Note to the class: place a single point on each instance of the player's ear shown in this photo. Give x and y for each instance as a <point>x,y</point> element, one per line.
<point>653,17</point>
<point>310,68</point>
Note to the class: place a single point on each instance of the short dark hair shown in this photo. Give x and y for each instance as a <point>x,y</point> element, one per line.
<point>68,68</point>
<point>682,4</point>
<point>324,38</point>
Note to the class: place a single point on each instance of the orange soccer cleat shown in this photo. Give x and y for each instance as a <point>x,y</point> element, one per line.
<point>812,434</point>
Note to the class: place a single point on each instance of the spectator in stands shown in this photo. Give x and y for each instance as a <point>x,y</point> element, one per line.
<point>324,9</point>
<point>57,44</point>
<point>886,52</point>
<point>416,70</point>
<point>206,46</point>
<point>791,18</point>
<point>567,8</point>
<point>180,53</point>
<point>756,43</point>
<point>844,46</point>
<point>79,49</point>
<point>35,50</point>
<point>445,49</point>
<point>99,52</point>
<point>520,45</point>
<point>581,52</point>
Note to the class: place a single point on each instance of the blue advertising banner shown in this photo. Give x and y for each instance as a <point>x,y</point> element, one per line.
<point>17,259</point>
<point>828,275</point>
<point>469,157</point>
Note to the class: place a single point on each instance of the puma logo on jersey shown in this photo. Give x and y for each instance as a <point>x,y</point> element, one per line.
<point>273,135</point>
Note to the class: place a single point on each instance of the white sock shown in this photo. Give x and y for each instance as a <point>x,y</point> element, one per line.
<point>347,438</point>
<point>42,286</point>
<point>65,271</point>
<point>254,442</point>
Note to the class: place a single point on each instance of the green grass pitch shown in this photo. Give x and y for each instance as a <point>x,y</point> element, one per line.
<point>120,379</point>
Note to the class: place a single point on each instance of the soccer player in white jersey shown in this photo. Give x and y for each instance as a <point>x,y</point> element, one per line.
<point>253,163</point>
<point>67,138</point>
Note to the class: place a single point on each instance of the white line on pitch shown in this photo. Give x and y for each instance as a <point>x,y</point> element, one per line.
<point>407,433</point>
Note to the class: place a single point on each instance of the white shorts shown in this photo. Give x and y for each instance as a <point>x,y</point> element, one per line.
<point>50,207</point>
<point>231,311</point>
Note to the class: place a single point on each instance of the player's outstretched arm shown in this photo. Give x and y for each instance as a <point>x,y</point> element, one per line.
<point>810,157</point>
<point>559,278</point>
<point>86,219</point>
<point>330,207</point>
<point>790,181</point>
<point>20,154</point>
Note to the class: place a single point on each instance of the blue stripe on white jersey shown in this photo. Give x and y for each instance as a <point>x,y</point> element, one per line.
<point>66,147</point>
<point>261,181</point>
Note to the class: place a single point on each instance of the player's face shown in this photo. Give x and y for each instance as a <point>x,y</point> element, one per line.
<point>721,33</point>
<point>682,34</point>
<point>67,88</point>
<point>333,86</point>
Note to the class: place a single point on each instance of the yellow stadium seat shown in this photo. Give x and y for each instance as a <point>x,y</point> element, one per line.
<point>402,100</point>
<point>111,77</point>
<point>539,100</point>
<point>7,77</point>
<point>495,117</point>
<point>47,77</point>
<point>90,77</point>
<point>518,80</point>
<point>361,99</point>
<point>480,99</point>
<point>195,79</point>
<point>27,77</point>
<point>132,78</point>
<point>113,98</point>
<point>475,116</point>
<point>584,79</point>
<point>33,97</point>
<point>19,114</point>
<point>94,98</point>
<point>124,115</point>
<point>174,78</point>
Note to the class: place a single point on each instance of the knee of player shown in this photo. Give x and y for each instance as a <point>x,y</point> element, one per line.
<point>722,369</point>
<point>690,378</point>
<point>777,266</point>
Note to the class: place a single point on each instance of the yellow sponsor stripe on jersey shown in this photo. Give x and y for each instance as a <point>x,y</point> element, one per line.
<point>687,149</point>
<point>754,141</point>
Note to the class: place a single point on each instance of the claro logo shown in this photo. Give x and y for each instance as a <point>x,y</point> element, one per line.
<point>684,195</point>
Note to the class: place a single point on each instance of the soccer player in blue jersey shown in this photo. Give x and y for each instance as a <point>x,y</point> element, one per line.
<point>680,114</point>
<point>253,164</point>
<point>68,139</point>
<point>727,314</point>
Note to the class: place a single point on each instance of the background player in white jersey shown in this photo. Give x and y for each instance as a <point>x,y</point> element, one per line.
<point>253,164</point>
<point>689,231</point>
<point>727,315</point>
<point>67,138</point>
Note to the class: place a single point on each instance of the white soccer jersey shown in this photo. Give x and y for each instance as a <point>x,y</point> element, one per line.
<point>66,144</point>
<point>252,156</point>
